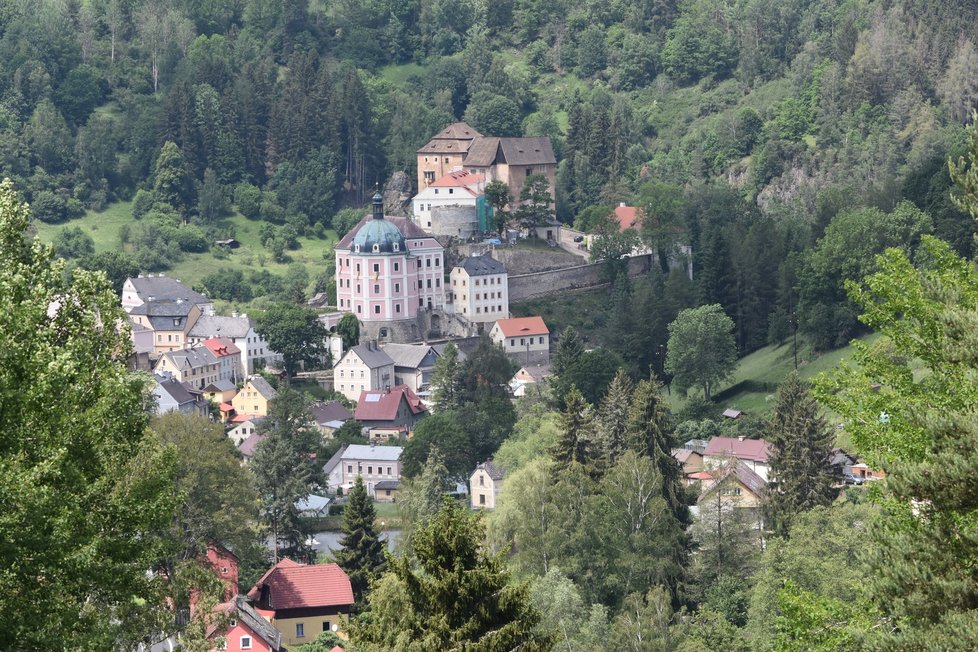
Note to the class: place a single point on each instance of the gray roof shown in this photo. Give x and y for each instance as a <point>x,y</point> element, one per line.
<point>257,624</point>
<point>387,484</point>
<point>218,326</point>
<point>377,453</point>
<point>249,445</point>
<point>371,357</point>
<point>263,387</point>
<point>454,137</point>
<point>195,358</point>
<point>220,386</point>
<point>324,413</point>
<point>163,288</point>
<point>482,266</point>
<point>495,472</point>
<point>167,308</point>
<point>739,470</point>
<point>177,390</point>
<point>487,151</point>
<point>408,355</point>
<point>334,460</point>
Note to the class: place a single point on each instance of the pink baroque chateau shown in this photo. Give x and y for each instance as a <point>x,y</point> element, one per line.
<point>388,269</point>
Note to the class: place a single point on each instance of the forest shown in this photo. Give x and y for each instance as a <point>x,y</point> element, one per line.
<point>800,149</point>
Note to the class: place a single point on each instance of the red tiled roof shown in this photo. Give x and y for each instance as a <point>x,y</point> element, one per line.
<point>627,217</point>
<point>458,179</point>
<point>226,407</point>
<point>700,475</point>
<point>288,585</point>
<point>519,326</point>
<point>381,405</point>
<point>755,450</point>
<point>221,347</point>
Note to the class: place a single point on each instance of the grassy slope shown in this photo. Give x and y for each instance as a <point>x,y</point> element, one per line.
<point>104,229</point>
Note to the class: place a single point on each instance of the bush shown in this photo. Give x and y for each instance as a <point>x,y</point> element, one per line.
<point>248,200</point>
<point>142,203</point>
<point>49,207</point>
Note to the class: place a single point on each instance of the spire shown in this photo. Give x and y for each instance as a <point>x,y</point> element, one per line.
<point>378,204</point>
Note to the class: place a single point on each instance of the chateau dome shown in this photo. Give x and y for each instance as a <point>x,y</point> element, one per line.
<point>378,235</point>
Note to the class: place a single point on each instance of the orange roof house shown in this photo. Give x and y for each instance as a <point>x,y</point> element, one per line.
<point>628,217</point>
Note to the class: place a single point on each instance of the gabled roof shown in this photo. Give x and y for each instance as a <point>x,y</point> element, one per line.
<point>164,308</point>
<point>739,470</point>
<point>288,585</point>
<point>408,355</point>
<point>628,217</point>
<point>482,266</point>
<point>372,452</point>
<point>732,413</point>
<point>332,411</point>
<point>682,455</point>
<point>262,387</point>
<point>209,326</point>
<point>454,137</point>
<point>372,357</point>
<point>458,179</point>
<point>388,484</point>
<point>164,288</point>
<point>522,326</point>
<point>249,445</point>
<point>382,405</point>
<point>247,616</point>
<point>220,386</point>
<point>755,450</point>
<point>193,358</point>
<point>221,347</point>
<point>495,472</point>
<point>483,152</point>
<point>407,228</point>
<point>175,389</point>
<point>487,151</point>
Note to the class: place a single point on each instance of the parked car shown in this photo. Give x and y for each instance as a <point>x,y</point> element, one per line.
<point>849,478</point>
<point>578,238</point>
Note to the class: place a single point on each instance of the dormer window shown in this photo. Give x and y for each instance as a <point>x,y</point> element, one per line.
<point>356,248</point>
<point>376,249</point>
<point>397,246</point>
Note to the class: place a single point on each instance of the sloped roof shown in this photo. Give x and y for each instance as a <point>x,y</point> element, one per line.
<point>166,308</point>
<point>482,152</point>
<point>220,386</point>
<point>175,389</point>
<point>755,450</point>
<point>254,621</point>
<point>332,411</point>
<point>381,405</point>
<point>288,585</point>
<point>454,137</point>
<point>209,326</point>
<point>741,472</point>
<point>521,326</point>
<point>372,357</point>
<point>408,355</point>
<point>249,445</point>
<point>495,472</point>
<point>732,413</point>
<point>262,387</point>
<point>682,455</point>
<point>164,288</point>
<point>406,227</point>
<point>458,179</point>
<point>482,266</point>
<point>535,150</point>
<point>628,217</point>
<point>221,346</point>
<point>372,452</point>
<point>194,358</point>
<point>388,484</point>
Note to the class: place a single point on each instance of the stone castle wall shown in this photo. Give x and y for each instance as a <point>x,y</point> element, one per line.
<point>541,284</point>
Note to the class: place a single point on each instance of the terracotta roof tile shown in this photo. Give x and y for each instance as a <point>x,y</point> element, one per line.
<point>519,326</point>
<point>755,450</point>
<point>289,585</point>
<point>381,405</point>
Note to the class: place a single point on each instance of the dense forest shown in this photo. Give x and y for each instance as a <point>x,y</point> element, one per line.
<point>786,142</point>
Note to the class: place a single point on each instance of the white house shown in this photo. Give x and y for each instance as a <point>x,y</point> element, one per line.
<point>525,339</point>
<point>363,368</point>
<point>485,485</point>
<point>374,463</point>
<point>480,289</point>
<point>240,330</point>
<point>459,191</point>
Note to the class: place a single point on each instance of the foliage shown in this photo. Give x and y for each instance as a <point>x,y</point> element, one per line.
<point>536,203</point>
<point>363,553</point>
<point>458,596</point>
<point>294,332</point>
<point>445,379</point>
<point>349,329</point>
<point>86,493</point>
<point>72,242</point>
<point>325,642</point>
<point>701,348</point>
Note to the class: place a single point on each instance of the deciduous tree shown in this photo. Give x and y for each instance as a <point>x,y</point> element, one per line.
<point>701,349</point>
<point>294,332</point>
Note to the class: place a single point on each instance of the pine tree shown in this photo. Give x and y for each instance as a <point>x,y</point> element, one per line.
<point>576,425</point>
<point>422,497</point>
<point>801,440</point>
<point>363,556</point>
<point>458,599</point>
<point>446,380</point>
<point>565,360</point>
<point>613,419</point>
<point>650,434</point>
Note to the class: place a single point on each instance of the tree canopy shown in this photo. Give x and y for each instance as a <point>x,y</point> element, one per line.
<point>701,349</point>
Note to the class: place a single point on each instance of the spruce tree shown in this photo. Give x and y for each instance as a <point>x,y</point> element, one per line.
<point>612,421</point>
<point>576,426</point>
<point>446,379</point>
<point>650,434</point>
<point>566,358</point>
<point>363,556</point>
<point>801,476</point>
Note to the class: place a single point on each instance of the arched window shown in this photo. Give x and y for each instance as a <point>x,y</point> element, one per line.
<point>356,248</point>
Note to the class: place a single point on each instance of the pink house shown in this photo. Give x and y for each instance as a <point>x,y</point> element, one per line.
<point>248,630</point>
<point>388,269</point>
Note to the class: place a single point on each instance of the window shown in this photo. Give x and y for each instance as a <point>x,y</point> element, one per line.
<point>224,571</point>
<point>358,265</point>
<point>420,300</point>
<point>437,262</point>
<point>419,263</point>
<point>327,626</point>
<point>300,630</point>
<point>437,282</point>
<point>376,288</point>
<point>397,287</point>
<point>512,342</point>
<point>451,191</point>
<point>397,308</point>
<point>376,267</point>
<point>541,340</point>
<point>397,267</point>
<point>176,322</point>
<point>359,309</point>
<point>429,283</point>
<point>477,295</point>
<point>356,250</point>
<point>376,248</point>
<point>245,642</point>
<point>521,341</point>
<point>387,492</point>
<point>436,191</point>
<point>388,470</point>
<point>482,499</point>
<point>420,284</point>
<point>397,246</point>
<point>482,480</point>
<point>159,338</point>
<point>478,309</point>
<point>427,262</point>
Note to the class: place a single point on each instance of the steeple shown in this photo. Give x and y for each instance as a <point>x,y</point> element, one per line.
<point>378,205</point>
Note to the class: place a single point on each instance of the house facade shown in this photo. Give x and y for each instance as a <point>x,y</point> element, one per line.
<point>170,395</point>
<point>254,397</point>
<point>413,364</point>
<point>241,431</point>
<point>143,289</point>
<point>454,204</point>
<point>512,160</point>
<point>733,483</point>
<point>248,630</point>
<point>388,268</point>
<point>169,320</point>
<point>301,602</point>
<point>363,368</point>
<point>196,366</point>
<point>397,408</point>
<point>374,463</point>
<point>329,417</point>
<point>485,485</point>
<point>480,289</point>
<point>525,339</point>
<point>444,153</point>
<point>230,363</point>
<point>238,330</point>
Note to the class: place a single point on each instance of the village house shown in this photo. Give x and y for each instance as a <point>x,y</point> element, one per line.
<point>248,630</point>
<point>485,485</point>
<point>143,289</point>
<point>241,431</point>
<point>385,410</point>
<point>413,364</point>
<point>732,482</point>
<point>387,491</point>
<point>691,462</point>
<point>373,463</point>
<point>526,376</point>
<point>220,393</point>
<point>248,446</point>
<point>228,355</point>
<point>301,601</point>
<point>753,452</point>
<point>524,339</point>
<point>254,397</point>
<point>196,366</point>
<point>512,160</point>
<point>171,395</point>
<point>388,269</point>
<point>329,417</point>
<point>142,347</point>
<point>362,368</point>
<point>454,205</point>
<point>444,152</point>
<point>480,290</point>
<point>238,330</point>
<point>169,320</point>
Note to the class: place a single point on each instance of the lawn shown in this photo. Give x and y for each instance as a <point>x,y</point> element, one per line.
<point>104,227</point>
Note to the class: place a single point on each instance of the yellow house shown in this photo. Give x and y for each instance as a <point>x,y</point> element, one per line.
<point>302,601</point>
<point>485,485</point>
<point>254,397</point>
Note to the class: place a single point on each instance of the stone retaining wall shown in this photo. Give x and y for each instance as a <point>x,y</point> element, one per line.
<point>541,284</point>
